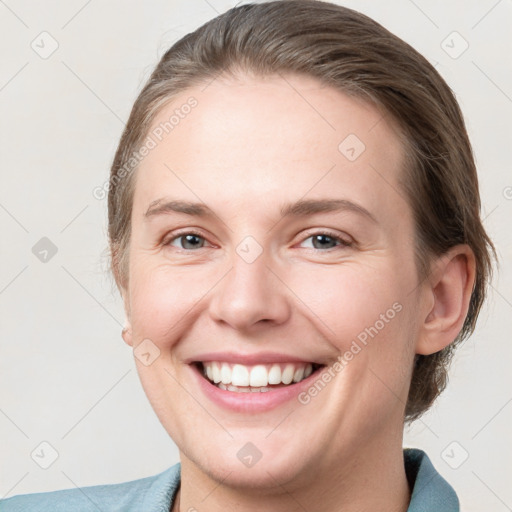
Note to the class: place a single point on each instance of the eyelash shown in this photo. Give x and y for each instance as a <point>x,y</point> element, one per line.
<point>177,236</point>
<point>340,242</point>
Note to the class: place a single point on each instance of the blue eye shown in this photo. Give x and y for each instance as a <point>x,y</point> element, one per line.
<point>189,241</point>
<point>324,241</point>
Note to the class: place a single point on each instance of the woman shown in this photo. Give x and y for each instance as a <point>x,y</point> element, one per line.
<point>295,233</point>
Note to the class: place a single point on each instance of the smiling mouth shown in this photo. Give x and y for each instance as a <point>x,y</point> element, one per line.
<point>260,378</point>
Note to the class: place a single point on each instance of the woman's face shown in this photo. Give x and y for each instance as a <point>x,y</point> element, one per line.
<point>269,236</point>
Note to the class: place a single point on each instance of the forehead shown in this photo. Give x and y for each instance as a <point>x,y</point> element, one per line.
<point>279,136</point>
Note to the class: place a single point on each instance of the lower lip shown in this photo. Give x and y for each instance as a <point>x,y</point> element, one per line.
<point>253,402</point>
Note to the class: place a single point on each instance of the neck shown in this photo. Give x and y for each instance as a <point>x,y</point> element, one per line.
<point>371,478</point>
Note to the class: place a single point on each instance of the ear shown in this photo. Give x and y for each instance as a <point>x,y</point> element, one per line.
<point>447,293</point>
<point>127,331</point>
<point>122,286</point>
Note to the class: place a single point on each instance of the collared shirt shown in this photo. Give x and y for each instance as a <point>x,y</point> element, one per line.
<point>430,493</point>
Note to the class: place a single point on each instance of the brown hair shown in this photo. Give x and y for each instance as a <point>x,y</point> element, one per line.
<point>351,52</point>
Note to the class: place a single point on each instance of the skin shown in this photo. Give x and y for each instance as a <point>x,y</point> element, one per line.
<point>251,146</point>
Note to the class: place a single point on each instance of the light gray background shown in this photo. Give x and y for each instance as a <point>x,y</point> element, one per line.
<point>66,376</point>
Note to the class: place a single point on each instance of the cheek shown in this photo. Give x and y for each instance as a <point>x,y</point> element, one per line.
<point>364,314</point>
<point>349,299</point>
<point>163,299</point>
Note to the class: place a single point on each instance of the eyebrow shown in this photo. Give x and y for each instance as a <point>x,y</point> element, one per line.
<point>311,206</point>
<point>161,206</point>
<point>300,208</point>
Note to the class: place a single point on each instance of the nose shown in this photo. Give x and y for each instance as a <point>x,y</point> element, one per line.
<point>249,296</point>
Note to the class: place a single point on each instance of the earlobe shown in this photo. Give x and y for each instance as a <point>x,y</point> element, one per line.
<point>126,333</point>
<point>449,289</point>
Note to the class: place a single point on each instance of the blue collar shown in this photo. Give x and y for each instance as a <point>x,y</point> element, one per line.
<point>430,491</point>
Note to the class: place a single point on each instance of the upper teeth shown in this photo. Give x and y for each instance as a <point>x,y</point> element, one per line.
<point>258,375</point>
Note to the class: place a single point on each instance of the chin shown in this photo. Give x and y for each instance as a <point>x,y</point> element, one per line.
<point>268,467</point>
<point>266,475</point>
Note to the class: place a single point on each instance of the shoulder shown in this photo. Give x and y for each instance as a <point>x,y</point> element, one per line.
<point>151,494</point>
<point>430,492</point>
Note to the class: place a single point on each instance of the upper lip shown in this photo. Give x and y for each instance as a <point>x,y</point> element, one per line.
<point>249,359</point>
